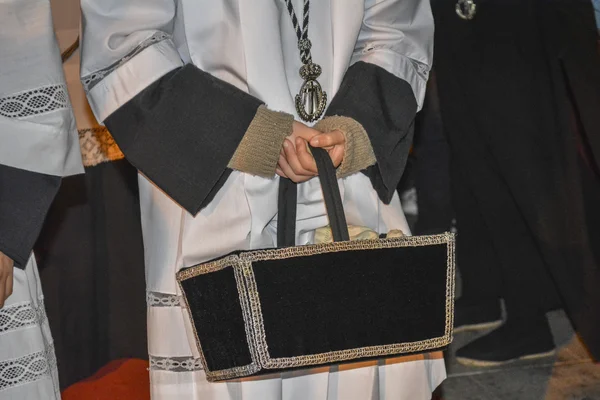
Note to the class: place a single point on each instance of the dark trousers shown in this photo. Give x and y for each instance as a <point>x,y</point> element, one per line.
<point>496,252</point>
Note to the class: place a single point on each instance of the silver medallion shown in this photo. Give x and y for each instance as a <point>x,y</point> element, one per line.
<point>312,100</point>
<point>466,9</point>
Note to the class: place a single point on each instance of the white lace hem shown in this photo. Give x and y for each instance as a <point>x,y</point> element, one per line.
<point>21,315</point>
<point>27,369</point>
<point>158,299</point>
<point>34,102</point>
<point>175,364</point>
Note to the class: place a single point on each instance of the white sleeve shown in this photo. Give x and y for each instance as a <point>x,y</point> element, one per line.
<point>37,129</point>
<point>126,46</point>
<point>157,109</point>
<point>397,35</point>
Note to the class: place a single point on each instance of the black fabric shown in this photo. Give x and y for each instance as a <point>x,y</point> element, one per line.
<point>286,213</point>
<point>352,299</point>
<point>504,80</point>
<point>91,260</point>
<point>331,195</point>
<point>495,265</point>
<point>181,132</point>
<point>25,198</point>
<point>215,307</point>
<point>431,167</point>
<point>385,106</point>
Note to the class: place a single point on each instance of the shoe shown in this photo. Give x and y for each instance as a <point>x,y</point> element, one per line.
<point>515,340</point>
<point>473,317</point>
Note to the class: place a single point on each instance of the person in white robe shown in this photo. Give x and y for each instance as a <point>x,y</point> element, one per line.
<point>38,146</point>
<point>199,95</point>
<point>90,252</point>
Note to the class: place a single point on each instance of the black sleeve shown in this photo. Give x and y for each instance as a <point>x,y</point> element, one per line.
<point>385,106</point>
<point>25,198</point>
<point>182,131</point>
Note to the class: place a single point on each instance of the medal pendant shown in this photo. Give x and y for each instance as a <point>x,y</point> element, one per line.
<point>466,9</point>
<point>312,100</point>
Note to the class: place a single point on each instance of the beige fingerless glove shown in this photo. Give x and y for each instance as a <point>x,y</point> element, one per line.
<point>358,153</point>
<point>258,152</point>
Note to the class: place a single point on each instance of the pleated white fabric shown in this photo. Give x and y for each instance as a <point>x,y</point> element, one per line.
<point>27,361</point>
<point>35,112</point>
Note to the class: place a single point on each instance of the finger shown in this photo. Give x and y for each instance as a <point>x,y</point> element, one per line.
<point>306,159</point>
<point>293,161</point>
<point>328,139</point>
<point>337,155</point>
<point>290,174</point>
<point>286,169</point>
<point>2,290</point>
<point>278,169</point>
<point>9,284</point>
<point>279,172</point>
<point>304,132</point>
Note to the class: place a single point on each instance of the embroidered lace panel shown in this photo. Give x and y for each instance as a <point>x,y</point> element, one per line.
<point>34,102</point>
<point>98,146</point>
<point>22,315</point>
<point>157,299</point>
<point>30,368</point>
<point>91,80</point>
<point>175,364</point>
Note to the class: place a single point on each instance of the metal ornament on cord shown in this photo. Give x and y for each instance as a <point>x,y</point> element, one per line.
<point>466,9</point>
<point>311,100</point>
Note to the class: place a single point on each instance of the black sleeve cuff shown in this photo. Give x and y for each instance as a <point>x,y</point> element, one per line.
<point>25,198</point>
<point>385,106</point>
<point>182,131</point>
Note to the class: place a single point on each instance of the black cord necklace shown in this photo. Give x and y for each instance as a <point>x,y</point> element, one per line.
<point>311,100</point>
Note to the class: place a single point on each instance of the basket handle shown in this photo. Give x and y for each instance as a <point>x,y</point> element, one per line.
<point>286,220</point>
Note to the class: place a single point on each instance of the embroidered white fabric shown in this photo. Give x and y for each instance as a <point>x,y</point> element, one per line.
<point>175,364</point>
<point>91,80</point>
<point>98,146</point>
<point>21,315</point>
<point>34,102</point>
<point>27,369</point>
<point>157,299</point>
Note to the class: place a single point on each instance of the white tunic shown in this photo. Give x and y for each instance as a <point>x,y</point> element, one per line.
<point>129,44</point>
<point>37,134</point>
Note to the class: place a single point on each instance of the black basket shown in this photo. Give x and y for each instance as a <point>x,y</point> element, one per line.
<point>265,311</point>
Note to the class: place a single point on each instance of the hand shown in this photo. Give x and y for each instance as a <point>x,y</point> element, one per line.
<point>6,278</point>
<point>295,162</point>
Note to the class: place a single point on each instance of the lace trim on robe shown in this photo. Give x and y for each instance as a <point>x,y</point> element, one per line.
<point>91,80</point>
<point>175,364</point>
<point>34,102</point>
<point>21,315</point>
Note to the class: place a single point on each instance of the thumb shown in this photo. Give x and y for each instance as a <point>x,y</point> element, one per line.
<point>329,139</point>
<point>314,141</point>
<point>323,140</point>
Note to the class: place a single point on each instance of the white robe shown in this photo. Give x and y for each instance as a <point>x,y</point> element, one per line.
<point>37,135</point>
<point>127,45</point>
